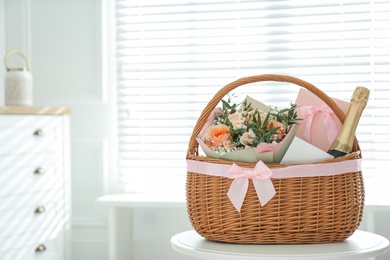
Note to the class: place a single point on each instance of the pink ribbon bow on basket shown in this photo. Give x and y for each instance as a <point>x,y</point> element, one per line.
<point>260,176</point>
<point>309,112</point>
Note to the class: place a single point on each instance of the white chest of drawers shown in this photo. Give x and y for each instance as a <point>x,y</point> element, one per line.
<point>34,183</point>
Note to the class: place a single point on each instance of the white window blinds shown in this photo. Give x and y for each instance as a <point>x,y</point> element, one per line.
<point>174,55</point>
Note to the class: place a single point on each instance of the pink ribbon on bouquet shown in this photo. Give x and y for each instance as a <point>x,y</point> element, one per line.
<point>260,176</point>
<point>309,112</point>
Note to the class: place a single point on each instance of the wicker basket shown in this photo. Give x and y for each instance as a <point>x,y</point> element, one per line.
<point>321,209</point>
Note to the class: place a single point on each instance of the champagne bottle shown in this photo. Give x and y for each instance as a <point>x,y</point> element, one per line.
<point>344,140</point>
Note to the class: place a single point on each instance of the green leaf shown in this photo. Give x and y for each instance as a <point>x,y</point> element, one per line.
<point>226,104</point>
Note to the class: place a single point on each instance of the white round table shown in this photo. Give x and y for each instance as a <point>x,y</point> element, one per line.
<point>361,245</point>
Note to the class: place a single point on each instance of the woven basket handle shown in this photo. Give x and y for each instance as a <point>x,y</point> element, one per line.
<point>193,144</point>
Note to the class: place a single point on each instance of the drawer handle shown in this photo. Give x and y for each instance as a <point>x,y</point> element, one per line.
<point>38,132</point>
<point>39,170</point>
<point>40,248</point>
<point>40,209</point>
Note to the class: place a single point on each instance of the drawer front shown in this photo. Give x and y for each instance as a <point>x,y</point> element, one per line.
<point>30,173</point>
<point>20,134</point>
<point>32,239</point>
<point>32,219</point>
<point>31,199</point>
<point>45,250</point>
<point>31,213</point>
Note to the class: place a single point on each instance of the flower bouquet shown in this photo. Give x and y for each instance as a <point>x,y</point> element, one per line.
<point>248,132</point>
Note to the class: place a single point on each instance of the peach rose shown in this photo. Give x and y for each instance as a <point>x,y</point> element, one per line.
<point>227,144</point>
<point>248,138</point>
<point>276,124</point>
<point>216,135</point>
<point>236,120</point>
<point>280,133</point>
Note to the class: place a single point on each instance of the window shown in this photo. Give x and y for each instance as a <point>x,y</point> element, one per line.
<point>173,56</point>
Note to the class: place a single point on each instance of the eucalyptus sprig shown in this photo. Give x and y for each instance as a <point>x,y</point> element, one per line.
<point>227,109</point>
<point>287,117</point>
<point>260,127</point>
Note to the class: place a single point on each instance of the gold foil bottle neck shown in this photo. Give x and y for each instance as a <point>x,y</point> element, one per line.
<point>360,95</point>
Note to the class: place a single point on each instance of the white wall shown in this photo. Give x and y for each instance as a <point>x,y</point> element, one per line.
<point>63,40</point>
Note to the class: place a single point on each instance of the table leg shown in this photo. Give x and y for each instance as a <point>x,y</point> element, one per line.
<point>119,234</point>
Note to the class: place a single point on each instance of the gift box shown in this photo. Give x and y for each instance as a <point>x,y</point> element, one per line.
<point>260,203</point>
<point>320,125</point>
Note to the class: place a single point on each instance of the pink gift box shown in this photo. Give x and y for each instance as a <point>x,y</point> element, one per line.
<point>320,126</point>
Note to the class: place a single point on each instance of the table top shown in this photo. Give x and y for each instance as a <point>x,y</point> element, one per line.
<point>361,245</point>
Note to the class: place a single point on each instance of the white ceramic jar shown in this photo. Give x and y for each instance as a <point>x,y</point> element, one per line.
<point>18,83</point>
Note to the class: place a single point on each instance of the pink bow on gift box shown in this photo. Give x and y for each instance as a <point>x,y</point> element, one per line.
<point>309,112</point>
<point>260,176</point>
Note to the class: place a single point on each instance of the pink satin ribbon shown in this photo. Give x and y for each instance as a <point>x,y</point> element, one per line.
<point>261,176</point>
<point>309,112</point>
